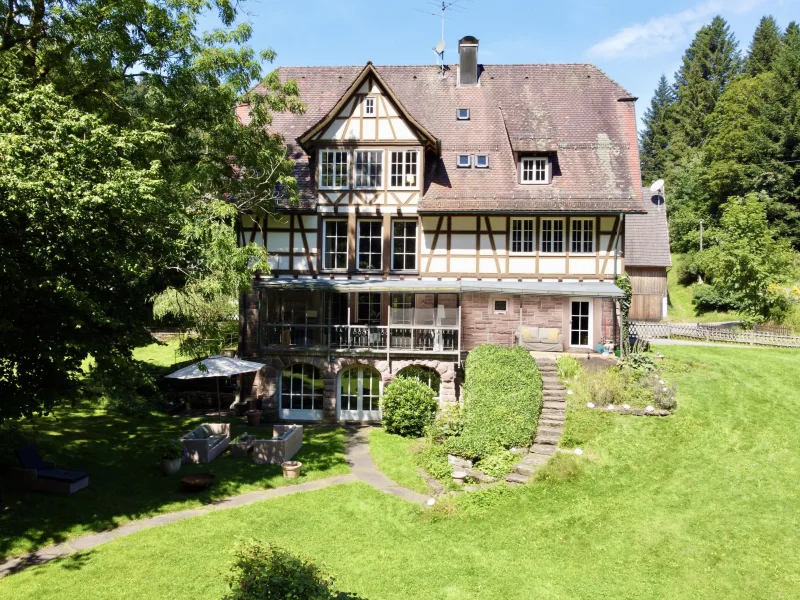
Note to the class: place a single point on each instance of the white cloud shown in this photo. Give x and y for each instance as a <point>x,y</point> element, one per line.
<point>666,32</point>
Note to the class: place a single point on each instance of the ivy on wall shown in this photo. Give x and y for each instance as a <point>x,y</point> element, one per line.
<point>624,283</point>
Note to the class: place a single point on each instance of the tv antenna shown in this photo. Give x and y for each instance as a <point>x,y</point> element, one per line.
<point>442,7</point>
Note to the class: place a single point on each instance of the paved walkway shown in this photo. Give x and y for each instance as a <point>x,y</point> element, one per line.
<point>357,456</point>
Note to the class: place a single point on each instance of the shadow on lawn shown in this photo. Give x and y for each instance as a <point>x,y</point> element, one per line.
<point>125,479</point>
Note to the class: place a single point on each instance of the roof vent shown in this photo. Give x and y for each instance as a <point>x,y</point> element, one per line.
<point>468,61</point>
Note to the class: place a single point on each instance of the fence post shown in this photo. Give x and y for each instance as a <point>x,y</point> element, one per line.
<point>669,331</point>
<point>752,337</point>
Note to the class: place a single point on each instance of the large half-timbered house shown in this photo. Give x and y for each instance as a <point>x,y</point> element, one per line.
<point>441,209</point>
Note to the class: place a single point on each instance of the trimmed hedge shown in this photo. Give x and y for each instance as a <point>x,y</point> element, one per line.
<point>408,406</point>
<point>503,400</point>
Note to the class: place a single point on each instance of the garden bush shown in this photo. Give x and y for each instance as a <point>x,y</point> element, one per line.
<point>264,572</point>
<point>449,422</point>
<point>503,399</point>
<point>568,367</point>
<point>706,297</point>
<point>408,406</point>
<point>432,457</point>
<point>498,463</point>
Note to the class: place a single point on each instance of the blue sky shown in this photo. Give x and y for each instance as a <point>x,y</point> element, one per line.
<point>633,41</point>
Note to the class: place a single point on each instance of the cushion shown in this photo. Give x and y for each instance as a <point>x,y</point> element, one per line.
<point>552,334</point>
<point>214,440</point>
<point>61,475</point>
<point>29,457</point>
<point>529,333</point>
<point>190,436</point>
<point>207,430</point>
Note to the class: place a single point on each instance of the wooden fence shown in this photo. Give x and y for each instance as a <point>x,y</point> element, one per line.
<point>708,333</point>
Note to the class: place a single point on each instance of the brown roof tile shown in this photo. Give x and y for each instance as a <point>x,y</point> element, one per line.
<point>647,235</point>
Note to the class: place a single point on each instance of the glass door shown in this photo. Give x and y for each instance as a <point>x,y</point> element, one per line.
<point>359,395</point>
<point>581,323</point>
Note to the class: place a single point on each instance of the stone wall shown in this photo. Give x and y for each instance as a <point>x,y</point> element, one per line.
<point>610,331</point>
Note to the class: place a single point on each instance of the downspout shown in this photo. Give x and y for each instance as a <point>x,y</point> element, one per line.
<point>617,332</point>
<point>260,355</point>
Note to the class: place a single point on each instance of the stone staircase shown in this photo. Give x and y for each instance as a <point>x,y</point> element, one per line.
<point>551,424</point>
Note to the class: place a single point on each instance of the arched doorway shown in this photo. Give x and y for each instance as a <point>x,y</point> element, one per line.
<point>302,390</point>
<point>426,375</point>
<point>359,394</point>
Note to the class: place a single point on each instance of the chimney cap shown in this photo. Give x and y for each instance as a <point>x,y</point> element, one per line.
<point>468,40</point>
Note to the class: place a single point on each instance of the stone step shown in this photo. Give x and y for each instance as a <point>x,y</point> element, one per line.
<point>551,424</point>
<point>545,449</point>
<point>553,414</point>
<point>516,478</point>
<point>553,387</point>
<point>554,404</point>
<point>551,431</point>
<point>550,440</point>
<point>548,370</point>
<point>553,394</point>
<point>535,460</point>
<point>524,469</point>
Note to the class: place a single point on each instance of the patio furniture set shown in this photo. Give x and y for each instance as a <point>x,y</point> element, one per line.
<point>207,441</point>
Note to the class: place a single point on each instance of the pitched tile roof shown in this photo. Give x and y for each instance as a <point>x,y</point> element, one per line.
<point>575,112</point>
<point>647,235</point>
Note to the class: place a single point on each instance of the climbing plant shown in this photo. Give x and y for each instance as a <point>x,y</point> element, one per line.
<point>624,283</point>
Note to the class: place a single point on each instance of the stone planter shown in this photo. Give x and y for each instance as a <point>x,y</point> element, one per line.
<point>170,466</point>
<point>254,418</point>
<point>291,469</point>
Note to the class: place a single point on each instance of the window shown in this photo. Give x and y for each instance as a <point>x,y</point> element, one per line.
<point>462,114</point>
<point>335,249</point>
<point>369,168</point>
<point>580,323</point>
<point>534,170</point>
<point>301,388</point>
<point>404,168</point>
<point>369,309</point>
<point>402,308</point>
<point>333,169</point>
<point>522,235</point>
<point>500,307</point>
<point>370,242</point>
<point>404,245</point>
<point>582,235</point>
<point>463,161</point>
<point>359,394</point>
<point>424,375</point>
<point>482,161</point>
<point>369,106</point>
<point>552,235</point>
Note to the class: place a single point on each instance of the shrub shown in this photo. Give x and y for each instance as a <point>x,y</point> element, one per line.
<point>503,398</point>
<point>449,422</point>
<point>706,297</point>
<point>639,364</point>
<point>171,450</point>
<point>612,386</point>
<point>264,572</point>
<point>432,457</point>
<point>498,463</point>
<point>568,367</point>
<point>663,393</point>
<point>407,407</point>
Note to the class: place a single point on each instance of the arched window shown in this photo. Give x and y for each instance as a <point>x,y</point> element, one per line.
<point>359,394</point>
<point>426,375</point>
<point>302,390</point>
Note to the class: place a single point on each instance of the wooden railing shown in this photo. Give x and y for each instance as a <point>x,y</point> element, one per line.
<point>708,333</point>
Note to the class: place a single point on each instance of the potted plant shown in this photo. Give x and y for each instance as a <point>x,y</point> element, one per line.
<point>291,469</point>
<point>171,456</point>
<point>253,418</point>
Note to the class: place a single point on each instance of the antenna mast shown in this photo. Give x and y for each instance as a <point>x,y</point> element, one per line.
<point>442,8</point>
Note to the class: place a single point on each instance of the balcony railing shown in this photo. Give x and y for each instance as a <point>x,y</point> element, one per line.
<point>380,338</point>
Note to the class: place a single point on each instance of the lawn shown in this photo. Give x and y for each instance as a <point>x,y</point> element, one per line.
<point>703,504</point>
<point>392,454</point>
<point>681,309</point>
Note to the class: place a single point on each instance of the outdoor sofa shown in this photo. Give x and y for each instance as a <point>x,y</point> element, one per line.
<point>540,339</point>
<point>206,442</point>
<point>285,443</point>
<point>42,476</point>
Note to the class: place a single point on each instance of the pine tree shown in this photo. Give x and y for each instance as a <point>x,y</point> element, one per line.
<point>709,65</point>
<point>764,48</point>
<point>654,139</point>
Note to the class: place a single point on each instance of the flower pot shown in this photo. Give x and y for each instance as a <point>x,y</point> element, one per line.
<point>291,469</point>
<point>253,418</point>
<point>170,466</point>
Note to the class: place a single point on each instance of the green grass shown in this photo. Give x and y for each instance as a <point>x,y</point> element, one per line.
<point>703,504</point>
<point>392,454</point>
<point>159,354</point>
<point>680,307</point>
<point>125,481</point>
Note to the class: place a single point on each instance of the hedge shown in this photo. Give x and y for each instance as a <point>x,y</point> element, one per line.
<point>502,401</point>
<point>407,407</point>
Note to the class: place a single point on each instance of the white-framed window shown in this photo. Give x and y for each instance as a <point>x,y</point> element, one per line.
<point>404,166</point>
<point>368,169</point>
<point>302,387</point>
<point>360,391</point>
<point>534,170</point>
<point>369,107</point>
<point>370,245</point>
<point>481,161</point>
<point>582,236</point>
<point>463,161</point>
<point>334,167</point>
<point>522,235</point>
<point>335,247</point>
<point>404,245</point>
<point>368,309</point>
<point>402,308</point>
<point>552,235</point>
<point>500,306</point>
<point>462,114</point>
<point>580,328</point>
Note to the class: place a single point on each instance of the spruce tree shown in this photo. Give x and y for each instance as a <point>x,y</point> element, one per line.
<point>654,139</point>
<point>764,48</point>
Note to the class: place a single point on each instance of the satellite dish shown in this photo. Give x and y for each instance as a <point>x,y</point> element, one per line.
<point>439,47</point>
<point>657,186</point>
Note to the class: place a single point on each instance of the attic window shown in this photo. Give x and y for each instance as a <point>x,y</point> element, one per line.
<point>462,114</point>
<point>369,106</point>
<point>463,161</point>
<point>481,161</point>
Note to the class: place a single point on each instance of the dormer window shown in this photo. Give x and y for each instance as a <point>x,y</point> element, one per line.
<point>369,107</point>
<point>463,161</point>
<point>534,170</point>
<point>481,161</point>
<point>462,114</point>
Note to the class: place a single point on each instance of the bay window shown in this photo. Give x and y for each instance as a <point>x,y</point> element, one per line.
<point>369,169</point>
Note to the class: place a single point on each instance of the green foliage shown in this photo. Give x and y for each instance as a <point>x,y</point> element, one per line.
<point>171,450</point>
<point>126,386</point>
<point>449,422</point>
<point>407,407</point>
<point>638,363</point>
<point>568,367</point>
<point>624,283</point>
<point>424,374</point>
<point>610,386</point>
<point>12,436</point>
<point>764,48</point>
<point>503,399</point>
<point>432,457</point>
<point>262,571</point>
<point>561,468</point>
<point>706,297</point>
<point>498,463</point>
<point>655,136</point>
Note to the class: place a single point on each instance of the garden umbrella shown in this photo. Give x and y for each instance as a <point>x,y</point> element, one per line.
<point>216,366</point>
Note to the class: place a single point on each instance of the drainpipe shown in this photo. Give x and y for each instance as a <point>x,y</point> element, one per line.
<point>260,354</point>
<point>616,302</point>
